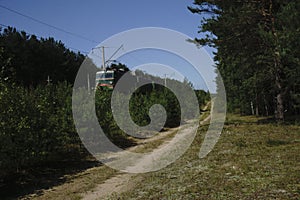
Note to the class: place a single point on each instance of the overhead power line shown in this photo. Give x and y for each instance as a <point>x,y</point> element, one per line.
<point>31,34</point>
<point>49,25</point>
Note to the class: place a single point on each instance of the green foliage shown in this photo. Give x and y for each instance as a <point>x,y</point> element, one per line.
<point>36,121</point>
<point>139,105</point>
<point>258,53</point>
<point>106,120</point>
<point>32,60</point>
<point>36,126</point>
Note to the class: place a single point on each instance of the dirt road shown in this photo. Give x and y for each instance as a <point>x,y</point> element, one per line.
<point>126,181</point>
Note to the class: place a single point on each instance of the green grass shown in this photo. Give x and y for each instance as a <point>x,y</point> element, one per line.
<point>151,145</point>
<point>250,161</point>
<point>75,185</point>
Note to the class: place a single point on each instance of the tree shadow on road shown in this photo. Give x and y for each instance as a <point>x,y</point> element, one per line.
<point>41,177</point>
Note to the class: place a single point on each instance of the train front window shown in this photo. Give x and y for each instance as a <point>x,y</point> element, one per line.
<point>105,75</point>
<point>109,75</point>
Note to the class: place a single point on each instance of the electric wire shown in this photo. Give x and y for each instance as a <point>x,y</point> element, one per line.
<point>49,25</point>
<point>39,37</point>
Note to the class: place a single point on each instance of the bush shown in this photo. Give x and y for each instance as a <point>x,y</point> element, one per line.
<point>36,126</point>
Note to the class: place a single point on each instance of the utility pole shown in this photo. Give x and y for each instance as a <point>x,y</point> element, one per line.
<point>48,80</point>
<point>88,82</point>
<point>103,58</point>
<point>103,55</point>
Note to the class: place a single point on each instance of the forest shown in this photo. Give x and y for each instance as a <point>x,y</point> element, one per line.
<point>36,82</point>
<point>258,48</point>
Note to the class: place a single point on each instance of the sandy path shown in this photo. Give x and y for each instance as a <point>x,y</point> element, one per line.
<point>117,184</point>
<point>126,181</point>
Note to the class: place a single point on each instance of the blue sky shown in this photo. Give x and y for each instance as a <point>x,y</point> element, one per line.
<point>98,19</point>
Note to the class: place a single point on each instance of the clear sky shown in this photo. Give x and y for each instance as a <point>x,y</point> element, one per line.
<point>97,20</point>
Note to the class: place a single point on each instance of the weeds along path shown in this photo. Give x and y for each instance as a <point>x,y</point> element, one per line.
<point>103,182</point>
<point>115,185</point>
<point>125,181</point>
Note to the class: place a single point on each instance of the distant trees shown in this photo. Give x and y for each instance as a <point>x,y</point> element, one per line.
<point>258,53</point>
<point>36,121</point>
<point>36,117</point>
<point>29,60</point>
<point>144,97</point>
<point>36,126</point>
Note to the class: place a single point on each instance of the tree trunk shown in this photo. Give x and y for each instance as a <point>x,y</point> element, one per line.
<point>280,91</point>
<point>279,107</point>
<point>278,69</point>
<point>266,106</point>
<point>256,106</point>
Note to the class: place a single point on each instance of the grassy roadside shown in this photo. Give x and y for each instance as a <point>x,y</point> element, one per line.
<point>75,185</point>
<point>150,145</point>
<point>251,160</point>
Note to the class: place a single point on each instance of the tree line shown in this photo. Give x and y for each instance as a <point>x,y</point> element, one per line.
<point>29,61</point>
<point>36,121</point>
<point>258,48</point>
